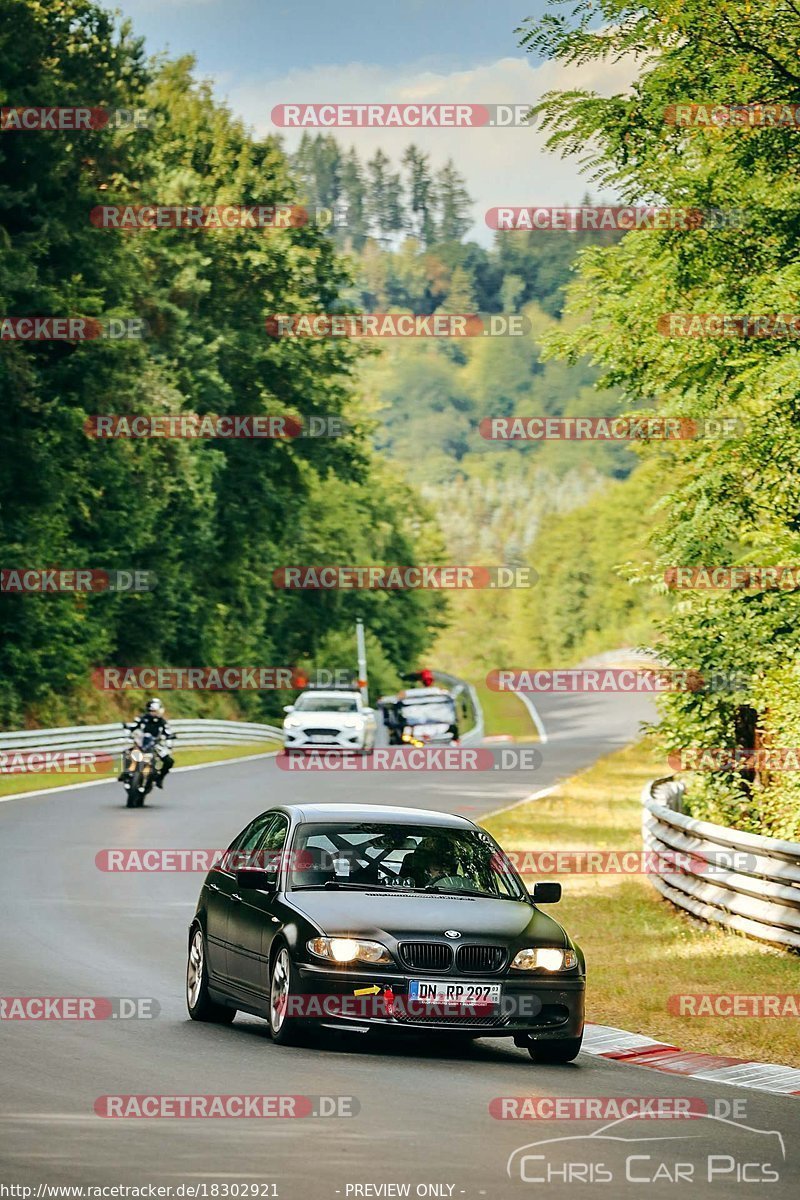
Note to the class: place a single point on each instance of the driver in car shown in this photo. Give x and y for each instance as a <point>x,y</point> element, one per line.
<point>432,863</point>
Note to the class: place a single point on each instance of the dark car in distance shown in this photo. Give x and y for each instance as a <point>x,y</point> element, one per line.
<point>373,917</point>
<point>420,717</point>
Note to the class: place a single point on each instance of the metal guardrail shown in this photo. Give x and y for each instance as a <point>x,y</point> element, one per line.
<point>460,687</point>
<point>113,738</point>
<point>740,880</point>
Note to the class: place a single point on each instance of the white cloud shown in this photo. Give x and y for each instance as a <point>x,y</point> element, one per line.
<point>132,7</point>
<point>507,166</point>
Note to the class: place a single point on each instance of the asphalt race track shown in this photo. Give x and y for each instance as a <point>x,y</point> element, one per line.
<point>423,1116</point>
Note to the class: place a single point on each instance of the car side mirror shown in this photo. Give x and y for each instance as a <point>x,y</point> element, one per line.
<point>546,893</point>
<point>368,712</point>
<point>288,708</point>
<point>257,880</point>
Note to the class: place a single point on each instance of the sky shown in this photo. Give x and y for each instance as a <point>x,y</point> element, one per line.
<point>259,53</point>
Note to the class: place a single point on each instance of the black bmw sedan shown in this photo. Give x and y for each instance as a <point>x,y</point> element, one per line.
<point>371,917</point>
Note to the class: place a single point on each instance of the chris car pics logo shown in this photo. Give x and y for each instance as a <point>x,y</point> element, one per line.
<point>629,1153</point>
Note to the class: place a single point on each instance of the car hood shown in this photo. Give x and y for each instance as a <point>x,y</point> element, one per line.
<point>412,915</point>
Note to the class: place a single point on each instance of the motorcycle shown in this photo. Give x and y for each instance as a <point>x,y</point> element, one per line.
<point>142,767</point>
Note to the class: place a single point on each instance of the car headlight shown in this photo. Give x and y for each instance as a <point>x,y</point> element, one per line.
<point>544,958</point>
<point>346,950</point>
<point>352,722</point>
<point>293,722</point>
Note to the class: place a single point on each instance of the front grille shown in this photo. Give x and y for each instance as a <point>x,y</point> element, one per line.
<point>480,960</point>
<point>426,956</point>
<point>441,1016</point>
<point>322,733</point>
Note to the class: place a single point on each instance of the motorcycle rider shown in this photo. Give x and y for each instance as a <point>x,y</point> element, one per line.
<point>152,721</point>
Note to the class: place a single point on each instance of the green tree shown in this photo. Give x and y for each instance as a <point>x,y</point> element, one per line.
<point>352,200</point>
<point>735,498</point>
<point>384,198</point>
<point>421,196</point>
<point>317,163</point>
<point>211,519</point>
<point>460,297</point>
<point>454,203</point>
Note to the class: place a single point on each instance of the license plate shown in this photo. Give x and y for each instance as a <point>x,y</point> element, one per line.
<point>450,991</point>
<point>324,738</point>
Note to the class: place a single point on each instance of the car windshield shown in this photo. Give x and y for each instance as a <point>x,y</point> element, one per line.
<point>334,704</point>
<point>389,857</point>
<point>429,712</point>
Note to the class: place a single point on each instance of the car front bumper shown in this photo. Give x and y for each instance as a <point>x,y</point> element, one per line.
<point>332,739</point>
<point>444,739</point>
<point>544,1008</point>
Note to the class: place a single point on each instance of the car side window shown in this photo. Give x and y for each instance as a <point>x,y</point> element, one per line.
<point>274,836</point>
<point>247,840</point>
<point>271,843</point>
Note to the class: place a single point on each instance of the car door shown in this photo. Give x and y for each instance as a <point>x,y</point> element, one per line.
<point>220,891</point>
<point>253,921</point>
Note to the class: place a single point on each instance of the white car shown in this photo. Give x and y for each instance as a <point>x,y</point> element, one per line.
<point>333,720</point>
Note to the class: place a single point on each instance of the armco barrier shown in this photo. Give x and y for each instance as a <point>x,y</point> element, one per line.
<point>189,732</point>
<point>740,880</point>
<point>461,690</point>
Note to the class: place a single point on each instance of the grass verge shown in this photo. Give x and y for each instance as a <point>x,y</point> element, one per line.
<point>639,949</point>
<point>12,784</point>
<point>504,712</point>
